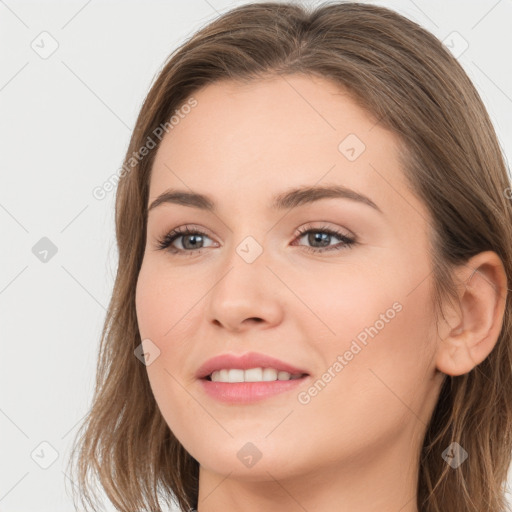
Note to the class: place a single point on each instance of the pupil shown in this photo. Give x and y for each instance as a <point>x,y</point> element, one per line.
<point>319,237</point>
<point>194,243</point>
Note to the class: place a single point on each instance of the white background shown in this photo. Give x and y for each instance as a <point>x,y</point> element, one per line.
<point>65,126</point>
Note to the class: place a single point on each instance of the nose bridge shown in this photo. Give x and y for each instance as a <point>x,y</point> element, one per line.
<point>245,267</point>
<point>245,287</point>
<point>249,236</point>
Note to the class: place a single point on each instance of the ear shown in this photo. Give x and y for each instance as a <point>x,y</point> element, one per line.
<point>471,329</point>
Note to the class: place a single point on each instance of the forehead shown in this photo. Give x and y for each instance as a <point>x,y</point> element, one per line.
<point>262,137</point>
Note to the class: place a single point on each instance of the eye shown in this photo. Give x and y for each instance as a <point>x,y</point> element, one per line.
<point>191,240</point>
<point>323,236</point>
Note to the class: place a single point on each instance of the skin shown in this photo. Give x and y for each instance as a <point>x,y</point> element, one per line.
<point>354,446</point>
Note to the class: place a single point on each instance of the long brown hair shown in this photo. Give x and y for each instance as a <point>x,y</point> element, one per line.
<point>405,78</point>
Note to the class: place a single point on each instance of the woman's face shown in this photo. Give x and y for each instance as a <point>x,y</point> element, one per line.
<point>355,317</point>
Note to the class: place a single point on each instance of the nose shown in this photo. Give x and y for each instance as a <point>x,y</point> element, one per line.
<point>245,296</point>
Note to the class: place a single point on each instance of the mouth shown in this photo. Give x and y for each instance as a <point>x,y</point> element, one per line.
<point>248,378</point>
<point>248,367</point>
<point>258,374</point>
<point>237,389</point>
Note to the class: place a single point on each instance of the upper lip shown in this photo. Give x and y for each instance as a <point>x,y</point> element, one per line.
<point>244,362</point>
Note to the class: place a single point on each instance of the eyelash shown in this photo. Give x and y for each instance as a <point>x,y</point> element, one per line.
<point>166,241</point>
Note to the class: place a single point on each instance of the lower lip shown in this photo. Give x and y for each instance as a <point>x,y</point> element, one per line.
<point>248,392</point>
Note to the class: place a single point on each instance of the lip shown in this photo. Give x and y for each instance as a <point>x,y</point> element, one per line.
<point>245,362</point>
<point>241,393</point>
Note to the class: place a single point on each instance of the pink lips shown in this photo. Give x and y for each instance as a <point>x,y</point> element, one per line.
<point>244,362</point>
<point>247,392</point>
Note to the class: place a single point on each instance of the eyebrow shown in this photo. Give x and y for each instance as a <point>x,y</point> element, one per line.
<point>286,200</point>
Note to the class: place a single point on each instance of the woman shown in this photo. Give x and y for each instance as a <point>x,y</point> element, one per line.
<point>315,251</point>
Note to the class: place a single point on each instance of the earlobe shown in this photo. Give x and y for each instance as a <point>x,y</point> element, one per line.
<point>474,326</point>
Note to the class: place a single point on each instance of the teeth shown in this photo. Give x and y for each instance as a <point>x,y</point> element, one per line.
<point>251,375</point>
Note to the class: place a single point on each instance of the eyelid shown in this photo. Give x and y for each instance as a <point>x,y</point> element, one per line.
<point>325,225</point>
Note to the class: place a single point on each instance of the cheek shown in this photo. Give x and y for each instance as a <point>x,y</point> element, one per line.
<point>157,312</point>
<point>380,357</point>
<point>339,304</point>
<point>166,315</point>
<point>164,301</point>
<point>380,324</point>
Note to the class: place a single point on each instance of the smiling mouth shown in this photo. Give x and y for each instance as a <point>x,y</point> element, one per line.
<point>234,386</point>
<point>256,375</point>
